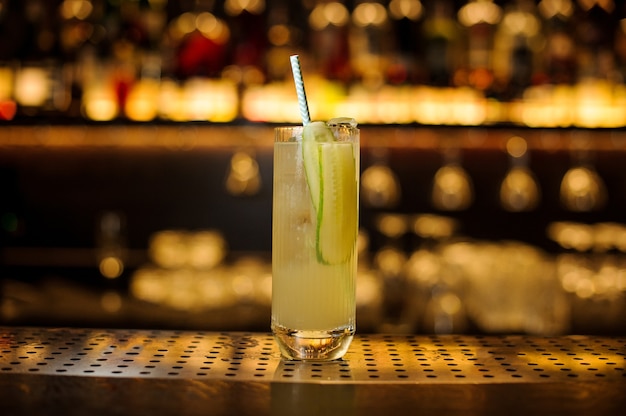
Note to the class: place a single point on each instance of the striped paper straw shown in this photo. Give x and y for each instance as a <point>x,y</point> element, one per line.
<point>297,78</point>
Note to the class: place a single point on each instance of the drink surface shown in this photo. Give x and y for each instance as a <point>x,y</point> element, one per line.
<point>308,294</point>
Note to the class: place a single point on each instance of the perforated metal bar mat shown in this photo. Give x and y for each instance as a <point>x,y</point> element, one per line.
<point>254,357</point>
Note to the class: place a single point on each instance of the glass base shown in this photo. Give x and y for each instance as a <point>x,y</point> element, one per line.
<point>313,345</point>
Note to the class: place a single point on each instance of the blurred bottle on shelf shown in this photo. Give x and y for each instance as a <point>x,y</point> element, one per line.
<point>285,38</point>
<point>443,55</point>
<point>329,40</point>
<point>559,59</point>
<point>594,33</point>
<point>247,21</point>
<point>370,46</point>
<point>518,39</point>
<point>481,18</point>
<point>407,65</point>
<point>200,43</point>
<point>37,83</point>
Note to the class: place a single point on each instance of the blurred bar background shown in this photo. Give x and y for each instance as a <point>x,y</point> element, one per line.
<point>136,159</point>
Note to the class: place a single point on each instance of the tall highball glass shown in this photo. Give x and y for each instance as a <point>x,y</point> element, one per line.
<point>314,237</point>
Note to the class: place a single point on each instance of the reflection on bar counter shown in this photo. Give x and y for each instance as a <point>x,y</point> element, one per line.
<point>548,63</point>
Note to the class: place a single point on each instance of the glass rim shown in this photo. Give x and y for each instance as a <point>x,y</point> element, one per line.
<point>291,133</point>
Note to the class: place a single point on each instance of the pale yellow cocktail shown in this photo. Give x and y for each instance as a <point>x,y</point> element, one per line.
<point>315,224</point>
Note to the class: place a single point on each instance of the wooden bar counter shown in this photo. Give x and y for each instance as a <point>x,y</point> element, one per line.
<point>73,371</point>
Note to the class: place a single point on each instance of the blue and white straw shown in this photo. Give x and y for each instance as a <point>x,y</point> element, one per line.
<point>297,77</point>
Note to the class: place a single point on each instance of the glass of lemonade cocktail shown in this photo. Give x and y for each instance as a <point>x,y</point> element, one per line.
<point>315,226</point>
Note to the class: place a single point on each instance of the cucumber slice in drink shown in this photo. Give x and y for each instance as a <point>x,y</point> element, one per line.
<point>336,215</point>
<point>331,176</point>
<point>314,133</point>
